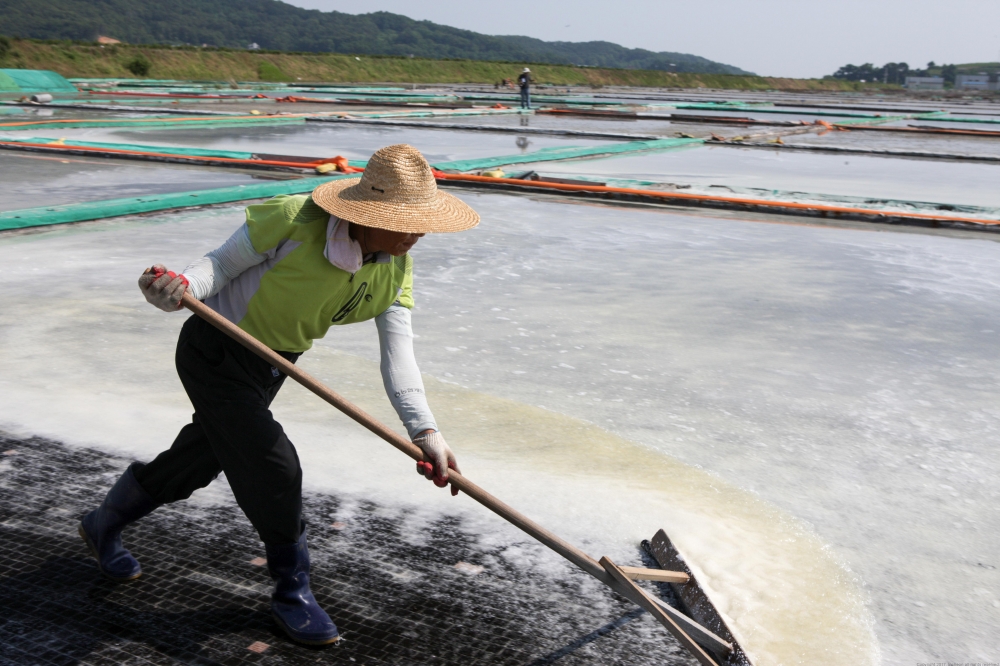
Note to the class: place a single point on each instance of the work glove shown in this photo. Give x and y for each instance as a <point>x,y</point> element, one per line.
<point>163,288</point>
<point>441,459</point>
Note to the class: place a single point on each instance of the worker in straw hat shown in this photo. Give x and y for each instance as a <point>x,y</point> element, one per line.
<point>299,265</point>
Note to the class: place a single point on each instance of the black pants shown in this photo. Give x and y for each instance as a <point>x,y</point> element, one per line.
<point>233,431</point>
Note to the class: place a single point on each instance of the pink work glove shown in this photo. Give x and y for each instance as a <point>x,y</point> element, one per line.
<point>163,288</point>
<point>442,459</point>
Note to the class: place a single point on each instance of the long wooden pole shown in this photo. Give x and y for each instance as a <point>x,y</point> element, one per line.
<point>508,513</point>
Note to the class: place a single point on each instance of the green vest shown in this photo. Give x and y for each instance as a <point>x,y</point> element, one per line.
<point>296,295</point>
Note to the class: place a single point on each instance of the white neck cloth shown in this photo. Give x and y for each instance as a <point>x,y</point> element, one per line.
<point>341,250</point>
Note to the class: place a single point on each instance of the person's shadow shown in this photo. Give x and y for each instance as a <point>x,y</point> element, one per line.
<point>61,613</point>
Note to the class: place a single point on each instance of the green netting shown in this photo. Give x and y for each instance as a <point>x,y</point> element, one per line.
<point>434,113</point>
<point>547,99</point>
<point>166,122</point>
<point>8,84</point>
<point>872,121</point>
<point>34,80</point>
<point>138,147</point>
<point>567,153</point>
<point>96,210</point>
<point>342,89</point>
<point>754,109</point>
<point>150,101</point>
<point>941,116</point>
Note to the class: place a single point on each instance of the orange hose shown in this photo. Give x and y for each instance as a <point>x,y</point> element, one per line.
<point>125,93</point>
<point>707,197</point>
<point>564,187</point>
<point>922,130</point>
<point>27,123</point>
<point>193,158</point>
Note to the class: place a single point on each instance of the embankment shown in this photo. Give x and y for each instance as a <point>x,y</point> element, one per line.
<point>76,59</point>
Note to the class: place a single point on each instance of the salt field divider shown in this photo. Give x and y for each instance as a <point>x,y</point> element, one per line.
<point>161,123</point>
<point>841,150</point>
<point>690,199</point>
<point>605,571</point>
<point>94,106</point>
<point>922,129</point>
<point>97,210</point>
<point>48,144</point>
<point>757,109</point>
<point>195,156</point>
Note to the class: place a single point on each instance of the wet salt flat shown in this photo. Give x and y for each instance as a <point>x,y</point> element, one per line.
<point>854,175</point>
<point>32,180</point>
<point>638,126</point>
<point>808,411</point>
<point>326,140</point>
<point>951,145</point>
<point>945,124</point>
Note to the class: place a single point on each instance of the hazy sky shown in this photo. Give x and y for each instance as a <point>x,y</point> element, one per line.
<point>771,37</point>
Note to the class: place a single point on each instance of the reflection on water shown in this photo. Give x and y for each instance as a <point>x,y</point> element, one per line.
<point>356,142</point>
<point>31,180</point>
<point>845,175</point>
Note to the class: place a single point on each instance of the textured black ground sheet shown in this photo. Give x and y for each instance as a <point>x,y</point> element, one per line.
<point>203,596</point>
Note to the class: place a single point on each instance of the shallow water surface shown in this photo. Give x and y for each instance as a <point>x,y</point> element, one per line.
<point>819,173</point>
<point>32,180</point>
<point>314,139</point>
<point>808,411</point>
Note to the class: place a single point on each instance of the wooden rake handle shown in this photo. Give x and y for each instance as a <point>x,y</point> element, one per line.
<point>567,550</point>
<point>624,587</point>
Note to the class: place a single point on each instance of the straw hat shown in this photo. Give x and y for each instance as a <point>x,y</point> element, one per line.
<point>397,192</point>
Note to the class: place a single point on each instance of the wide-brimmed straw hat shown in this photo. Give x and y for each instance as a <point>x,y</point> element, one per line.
<point>397,192</point>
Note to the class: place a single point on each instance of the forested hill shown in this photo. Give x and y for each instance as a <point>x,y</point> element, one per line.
<point>279,26</point>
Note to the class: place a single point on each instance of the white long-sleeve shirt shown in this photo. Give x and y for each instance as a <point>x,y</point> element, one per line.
<point>400,374</point>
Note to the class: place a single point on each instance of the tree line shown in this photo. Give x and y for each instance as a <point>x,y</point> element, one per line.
<point>893,72</point>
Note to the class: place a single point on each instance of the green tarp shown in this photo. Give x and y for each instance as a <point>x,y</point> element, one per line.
<point>96,210</point>
<point>7,84</point>
<point>33,81</point>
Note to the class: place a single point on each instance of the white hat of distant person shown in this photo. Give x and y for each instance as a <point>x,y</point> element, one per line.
<point>526,70</point>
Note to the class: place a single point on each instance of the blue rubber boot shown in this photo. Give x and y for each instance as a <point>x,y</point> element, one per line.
<point>293,605</point>
<point>101,529</point>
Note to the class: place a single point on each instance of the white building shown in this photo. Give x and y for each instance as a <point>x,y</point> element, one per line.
<point>972,82</point>
<point>924,83</point>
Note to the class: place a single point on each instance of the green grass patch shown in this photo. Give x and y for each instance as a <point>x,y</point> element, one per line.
<point>84,59</point>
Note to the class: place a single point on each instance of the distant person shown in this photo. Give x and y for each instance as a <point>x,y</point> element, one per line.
<point>525,82</point>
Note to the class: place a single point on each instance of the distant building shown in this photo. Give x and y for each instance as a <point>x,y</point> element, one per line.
<point>924,83</point>
<point>253,47</point>
<point>972,82</point>
<point>101,39</point>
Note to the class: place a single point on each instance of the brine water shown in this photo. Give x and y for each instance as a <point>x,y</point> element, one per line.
<point>808,411</point>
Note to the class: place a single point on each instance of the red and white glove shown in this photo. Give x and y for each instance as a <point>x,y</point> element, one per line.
<point>441,459</point>
<point>163,288</point>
